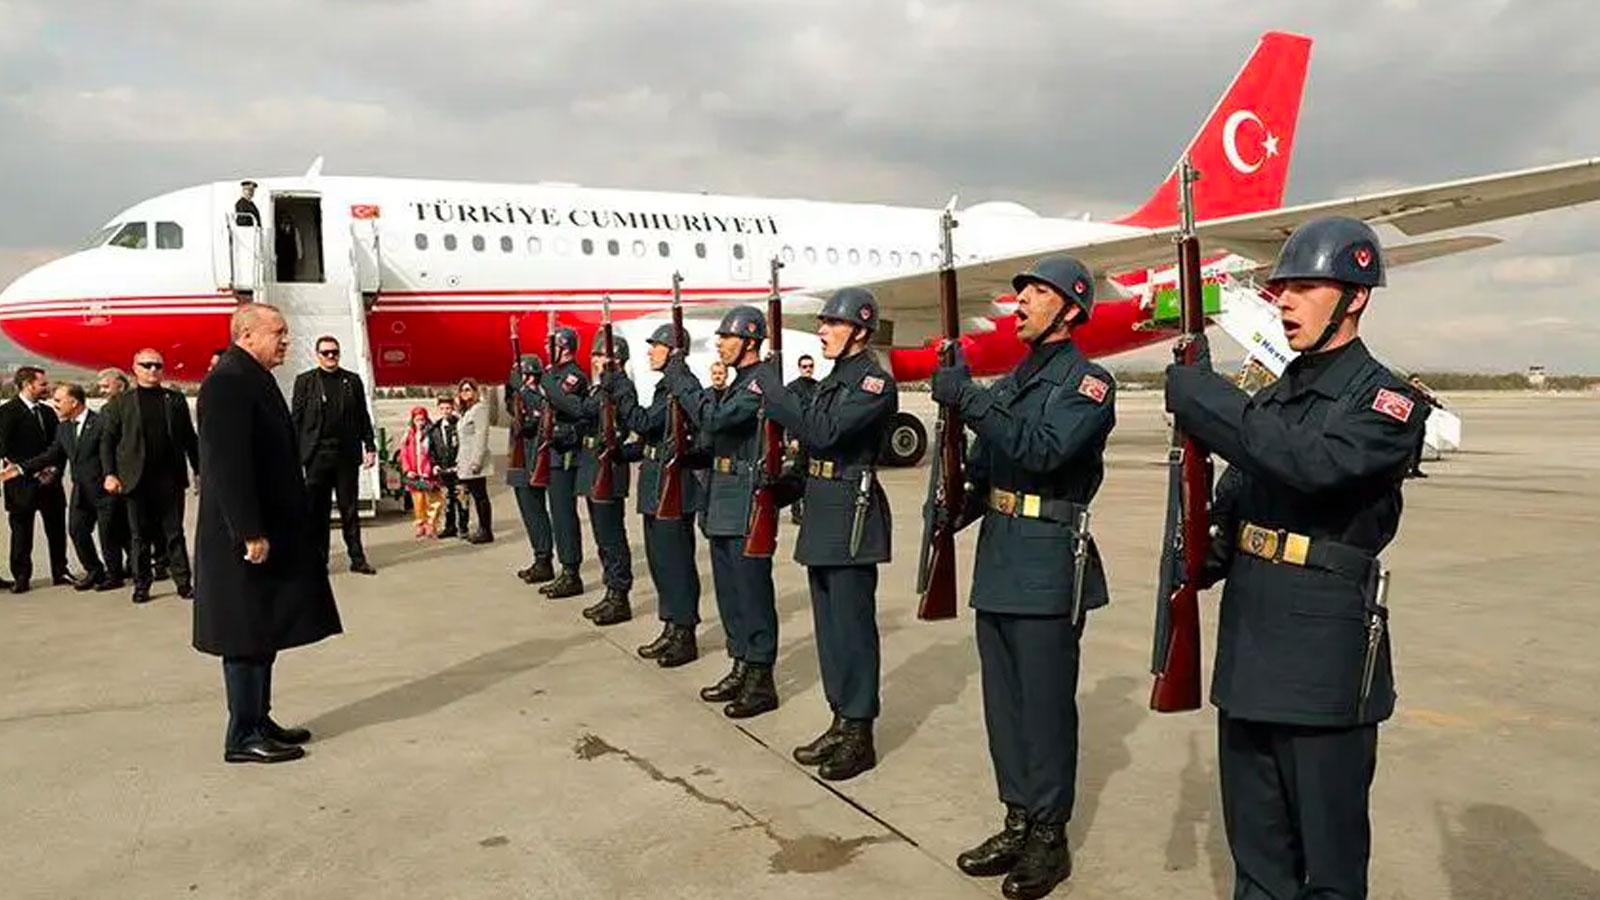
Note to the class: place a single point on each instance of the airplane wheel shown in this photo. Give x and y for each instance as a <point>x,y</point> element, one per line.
<point>908,441</point>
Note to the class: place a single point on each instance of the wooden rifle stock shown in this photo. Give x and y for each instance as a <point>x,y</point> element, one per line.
<point>670,506</point>
<point>539,472</point>
<point>1176,662</point>
<point>936,564</point>
<point>604,489</point>
<point>517,453</point>
<point>761,540</point>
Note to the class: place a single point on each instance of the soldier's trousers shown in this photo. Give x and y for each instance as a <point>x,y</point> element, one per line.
<point>1294,800</point>
<point>535,519</point>
<point>563,497</point>
<point>669,551</point>
<point>1030,708</point>
<point>745,601</point>
<point>844,606</point>
<point>611,542</point>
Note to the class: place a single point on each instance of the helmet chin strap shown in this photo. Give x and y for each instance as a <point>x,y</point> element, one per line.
<point>1340,310</point>
<point>1056,322</point>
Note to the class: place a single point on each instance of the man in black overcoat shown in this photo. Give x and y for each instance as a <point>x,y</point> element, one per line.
<point>261,584</point>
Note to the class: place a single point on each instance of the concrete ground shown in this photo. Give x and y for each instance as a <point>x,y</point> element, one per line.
<point>475,740</point>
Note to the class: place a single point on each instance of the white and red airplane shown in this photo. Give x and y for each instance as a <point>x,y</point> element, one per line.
<point>434,269</point>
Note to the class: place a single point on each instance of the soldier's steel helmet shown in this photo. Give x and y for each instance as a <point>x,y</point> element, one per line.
<point>854,305</point>
<point>744,322</point>
<point>1335,248</point>
<point>666,335</point>
<point>618,344</point>
<point>565,338</point>
<point>1063,274</point>
<point>530,366</point>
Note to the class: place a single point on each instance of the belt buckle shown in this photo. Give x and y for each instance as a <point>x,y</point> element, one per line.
<point>1260,542</point>
<point>1003,501</point>
<point>825,468</point>
<point>1295,548</point>
<point>1031,506</point>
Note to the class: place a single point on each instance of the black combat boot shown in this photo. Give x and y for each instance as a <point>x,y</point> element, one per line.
<point>999,852</point>
<point>728,687</point>
<point>681,647</point>
<point>615,610</point>
<point>538,573</point>
<point>1045,863</point>
<point>756,695</point>
<point>593,609</point>
<point>567,584</point>
<point>653,649</point>
<point>814,753</point>
<point>853,755</point>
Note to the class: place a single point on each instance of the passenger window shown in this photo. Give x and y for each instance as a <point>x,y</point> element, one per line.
<point>894,258</point>
<point>169,236</point>
<point>875,257</point>
<point>505,244</point>
<point>700,250</point>
<point>613,248</point>
<point>477,242</point>
<point>421,240</point>
<point>535,245</point>
<point>738,251</point>
<point>833,256</point>
<point>450,242</point>
<point>638,248</point>
<point>132,237</point>
<point>916,259</point>
<point>664,249</point>
<point>788,254</point>
<point>587,246</point>
<point>855,257</point>
<point>811,254</point>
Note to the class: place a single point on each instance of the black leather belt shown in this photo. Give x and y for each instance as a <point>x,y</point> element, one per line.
<point>1033,506</point>
<point>830,470</point>
<point>1282,546</point>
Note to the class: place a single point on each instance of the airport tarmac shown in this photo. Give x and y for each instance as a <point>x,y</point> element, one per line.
<point>474,740</point>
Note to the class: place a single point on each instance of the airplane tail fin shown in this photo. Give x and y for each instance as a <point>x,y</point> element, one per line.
<point>1243,149</point>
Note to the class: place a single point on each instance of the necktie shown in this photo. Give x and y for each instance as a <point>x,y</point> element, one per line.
<point>44,417</point>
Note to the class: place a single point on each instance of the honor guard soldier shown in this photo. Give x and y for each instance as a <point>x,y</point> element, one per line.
<point>523,385</point>
<point>565,387</point>
<point>669,545</point>
<point>606,517</point>
<point>1035,466</point>
<point>1311,496</point>
<point>745,597</point>
<point>844,537</point>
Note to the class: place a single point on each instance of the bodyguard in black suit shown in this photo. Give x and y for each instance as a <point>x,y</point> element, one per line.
<point>336,441</point>
<point>841,424</point>
<point>1311,496</point>
<point>89,508</point>
<point>27,429</point>
<point>147,449</point>
<point>261,583</point>
<point>1036,465</point>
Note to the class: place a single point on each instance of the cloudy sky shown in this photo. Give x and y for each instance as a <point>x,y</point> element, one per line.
<point>1065,107</point>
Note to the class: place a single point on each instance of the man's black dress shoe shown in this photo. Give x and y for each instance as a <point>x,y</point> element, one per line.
<point>262,750</point>
<point>186,590</point>
<point>111,584</point>
<point>89,582</point>
<point>20,587</point>
<point>141,594</point>
<point>63,579</point>
<point>363,567</point>
<point>286,735</point>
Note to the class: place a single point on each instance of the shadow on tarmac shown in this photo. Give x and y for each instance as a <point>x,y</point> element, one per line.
<point>1494,852</point>
<point>442,688</point>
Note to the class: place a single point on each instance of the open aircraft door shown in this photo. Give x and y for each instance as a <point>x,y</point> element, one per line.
<point>366,253</point>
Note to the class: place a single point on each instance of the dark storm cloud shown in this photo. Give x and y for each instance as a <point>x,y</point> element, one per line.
<point>1063,107</point>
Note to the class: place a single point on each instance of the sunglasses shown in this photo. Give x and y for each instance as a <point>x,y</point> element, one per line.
<point>328,354</point>
<point>153,366</point>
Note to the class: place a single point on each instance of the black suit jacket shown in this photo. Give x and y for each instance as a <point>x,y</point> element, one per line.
<point>23,436</point>
<point>80,451</point>
<point>355,432</point>
<point>122,438</point>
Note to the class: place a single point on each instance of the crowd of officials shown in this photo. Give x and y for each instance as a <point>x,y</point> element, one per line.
<point>1303,675</point>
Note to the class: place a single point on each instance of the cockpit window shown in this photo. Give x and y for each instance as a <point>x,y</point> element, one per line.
<point>133,236</point>
<point>169,236</point>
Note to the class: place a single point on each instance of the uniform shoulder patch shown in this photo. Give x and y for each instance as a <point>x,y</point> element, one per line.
<point>872,384</point>
<point>1094,388</point>
<point>1393,404</point>
<point>755,386</point>
<point>569,382</point>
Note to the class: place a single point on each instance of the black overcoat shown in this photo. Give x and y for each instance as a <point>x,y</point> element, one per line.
<point>252,486</point>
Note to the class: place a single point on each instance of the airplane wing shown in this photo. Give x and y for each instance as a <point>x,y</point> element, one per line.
<point>911,301</point>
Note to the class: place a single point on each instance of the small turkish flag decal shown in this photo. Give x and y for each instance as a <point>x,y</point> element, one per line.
<point>872,384</point>
<point>866,313</point>
<point>1363,257</point>
<point>1395,405</point>
<point>364,211</point>
<point>1093,388</point>
<point>1079,287</point>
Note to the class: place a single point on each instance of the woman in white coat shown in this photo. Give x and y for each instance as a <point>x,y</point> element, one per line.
<point>475,465</point>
